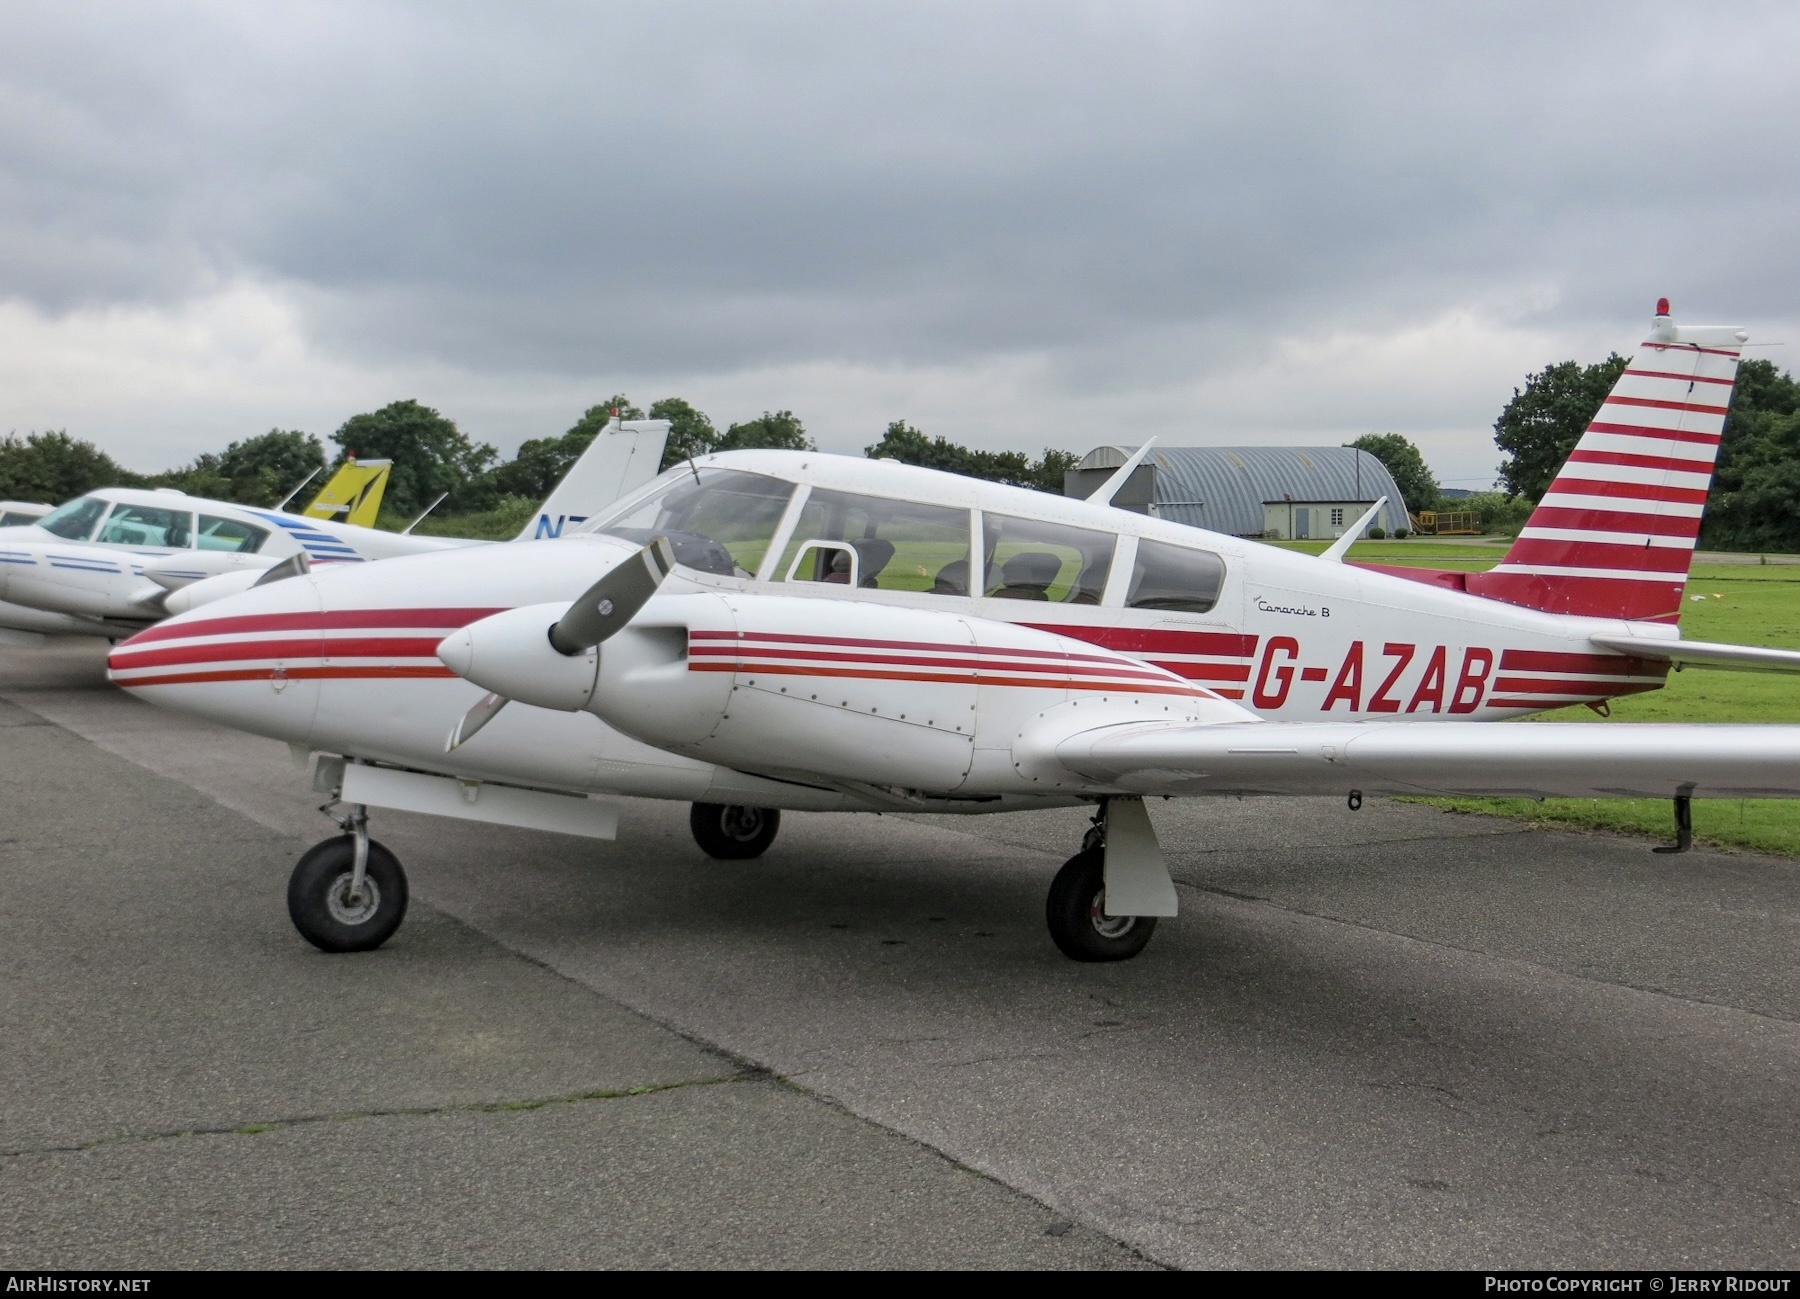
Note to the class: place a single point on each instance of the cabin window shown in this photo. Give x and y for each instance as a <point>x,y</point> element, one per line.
<point>229,534</point>
<point>1175,578</point>
<point>1029,559</point>
<point>895,545</point>
<point>75,520</point>
<point>717,520</point>
<point>148,525</point>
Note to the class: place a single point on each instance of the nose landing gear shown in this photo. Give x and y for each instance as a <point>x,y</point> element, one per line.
<point>733,833</point>
<point>347,893</point>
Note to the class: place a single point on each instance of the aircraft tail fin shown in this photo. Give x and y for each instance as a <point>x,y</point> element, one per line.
<point>621,458</point>
<point>1614,534</point>
<point>354,493</point>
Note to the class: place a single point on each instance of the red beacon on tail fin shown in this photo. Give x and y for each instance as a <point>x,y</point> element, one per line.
<point>1614,534</point>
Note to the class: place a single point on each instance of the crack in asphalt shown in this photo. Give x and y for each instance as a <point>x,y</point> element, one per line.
<point>517,1106</point>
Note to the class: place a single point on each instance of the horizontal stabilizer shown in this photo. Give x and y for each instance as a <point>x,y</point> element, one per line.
<point>1704,654</point>
<point>1533,760</point>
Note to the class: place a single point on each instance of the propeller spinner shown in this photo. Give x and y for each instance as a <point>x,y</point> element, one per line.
<point>601,611</point>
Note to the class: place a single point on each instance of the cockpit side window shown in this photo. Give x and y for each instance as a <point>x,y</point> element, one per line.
<point>898,545</point>
<point>75,520</point>
<point>1030,559</point>
<point>148,525</point>
<point>229,534</point>
<point>1175,577</point>
<point>717,520</point>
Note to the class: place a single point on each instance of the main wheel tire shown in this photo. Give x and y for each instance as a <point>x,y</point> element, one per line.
<point>733,833</point>
<point>1077,917</point>
<point>322,909</point>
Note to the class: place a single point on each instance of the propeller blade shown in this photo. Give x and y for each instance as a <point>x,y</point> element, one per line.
<point>485,710</point>
<point>295,565</point>
<point>614,600</point>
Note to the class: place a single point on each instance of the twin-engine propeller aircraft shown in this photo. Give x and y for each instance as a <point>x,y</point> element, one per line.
<point>114,561</point>
<point>763,631</point>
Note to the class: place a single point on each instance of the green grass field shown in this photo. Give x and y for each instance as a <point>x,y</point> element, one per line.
<point>1746,604</point>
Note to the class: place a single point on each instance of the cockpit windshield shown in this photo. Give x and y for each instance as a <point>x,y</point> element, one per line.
<point>717,520</point>
<point>75,520</point>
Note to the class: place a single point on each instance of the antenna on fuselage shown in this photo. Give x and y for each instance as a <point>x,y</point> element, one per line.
<point>303,482</point>
<point>1107,490</point>
<point>1338,549</point>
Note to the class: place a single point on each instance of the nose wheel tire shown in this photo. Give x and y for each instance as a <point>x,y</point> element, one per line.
<point>1076,912</point>
<point>333,916</point>
<point>733,833</point>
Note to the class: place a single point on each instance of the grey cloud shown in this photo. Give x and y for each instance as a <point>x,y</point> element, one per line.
<point>675,189</point>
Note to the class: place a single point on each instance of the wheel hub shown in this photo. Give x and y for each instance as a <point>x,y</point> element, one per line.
<point>1104,925</point>
<point>349,910</point>
<point>742,823</point>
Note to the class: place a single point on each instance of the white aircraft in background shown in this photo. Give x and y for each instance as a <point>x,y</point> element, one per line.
<point>114,561</point>
<point>758,631</point>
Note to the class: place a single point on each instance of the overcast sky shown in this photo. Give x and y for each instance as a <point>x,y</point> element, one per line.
<point>1018,225</point>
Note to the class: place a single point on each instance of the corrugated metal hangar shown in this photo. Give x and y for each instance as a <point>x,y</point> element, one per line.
<point>1282,492</point>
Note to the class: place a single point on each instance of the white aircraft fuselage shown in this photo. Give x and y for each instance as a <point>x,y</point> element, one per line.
<point>348,662</point>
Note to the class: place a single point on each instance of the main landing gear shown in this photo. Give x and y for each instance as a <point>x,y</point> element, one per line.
<point>1081,924</point>
<point>733,833</point>
<point>348,893</point>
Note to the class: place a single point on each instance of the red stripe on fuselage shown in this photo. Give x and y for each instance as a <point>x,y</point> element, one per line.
<point>1069,663</point>
<point>782,669</point>
<point>1133,640</point>
<point>766,639</point>
<point>331,620</point>
<point>1614,665</point>
<point>313,647</point>
<point>292,674</point>
<point>1553,686</point>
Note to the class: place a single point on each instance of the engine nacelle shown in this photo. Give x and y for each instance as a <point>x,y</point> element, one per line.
<point>510,654</point>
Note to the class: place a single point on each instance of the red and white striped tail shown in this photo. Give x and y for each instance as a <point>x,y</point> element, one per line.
<point>1613,536</point>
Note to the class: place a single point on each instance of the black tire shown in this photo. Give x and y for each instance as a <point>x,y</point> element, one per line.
<point>321,909</point>
<point>1079,925</point>
<point>733,833</point>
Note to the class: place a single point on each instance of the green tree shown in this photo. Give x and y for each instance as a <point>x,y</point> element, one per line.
<point>1542,424</point>
<point>430,455</point>
<point>541,462</point>
<point>53,467</point>
<point>1402,459</point>
<point>257,471</point>
<point>908,445</point>
<point>780,430</point>
<point>1755,501</point>
<point>691,433</point>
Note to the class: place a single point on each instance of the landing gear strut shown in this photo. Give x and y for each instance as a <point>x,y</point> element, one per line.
<point>348,893</point>
<point>733,833</point>
<point>1080,923</point>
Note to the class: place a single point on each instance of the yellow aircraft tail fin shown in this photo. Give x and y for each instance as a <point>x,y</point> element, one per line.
<point>354,493</point>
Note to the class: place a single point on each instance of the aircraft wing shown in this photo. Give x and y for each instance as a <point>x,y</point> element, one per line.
<point>1704,654</point>
<point>1535,759</point>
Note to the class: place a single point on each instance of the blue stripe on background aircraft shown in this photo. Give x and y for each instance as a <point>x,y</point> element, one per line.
<point>762,631</point>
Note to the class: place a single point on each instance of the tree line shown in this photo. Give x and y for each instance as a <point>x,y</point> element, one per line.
<point>1754,505</point>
